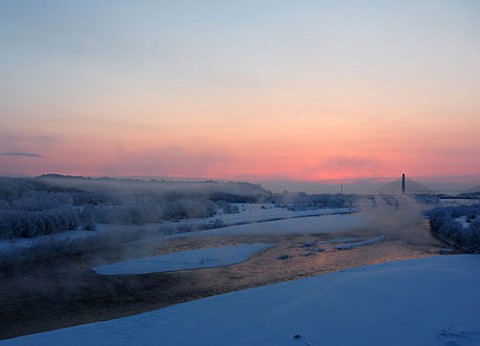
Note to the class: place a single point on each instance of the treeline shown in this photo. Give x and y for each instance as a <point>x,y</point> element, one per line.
<point>50,204</point>
<point>302,200</point>
<point>458,226</point>
<point>40,212</point>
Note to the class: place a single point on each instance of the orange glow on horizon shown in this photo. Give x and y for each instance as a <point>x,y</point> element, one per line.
<point>317,91</point>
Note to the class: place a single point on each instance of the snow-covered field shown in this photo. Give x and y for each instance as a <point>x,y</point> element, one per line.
<point>303,225</point>
<point>182,260</point>
<point>255,212</point>
<point>431,301</point>
<point>451,202</point>
<point>253,218</point>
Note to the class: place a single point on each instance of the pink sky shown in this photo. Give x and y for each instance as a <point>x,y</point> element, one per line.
<point>295,91</point>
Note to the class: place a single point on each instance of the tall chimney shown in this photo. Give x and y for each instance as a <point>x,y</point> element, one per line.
<point>403,183</point>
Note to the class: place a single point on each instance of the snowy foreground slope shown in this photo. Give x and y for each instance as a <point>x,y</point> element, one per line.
<point>432,301</point>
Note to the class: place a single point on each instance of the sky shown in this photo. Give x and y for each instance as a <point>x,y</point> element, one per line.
<point>244,90</point>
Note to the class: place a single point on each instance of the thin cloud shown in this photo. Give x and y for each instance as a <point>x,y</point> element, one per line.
<point>174,161</point>
<point>350,162</point>
<point>21,154</point>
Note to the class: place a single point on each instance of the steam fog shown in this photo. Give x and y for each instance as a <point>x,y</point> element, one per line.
<point>56,229</point>
<point>398,217</point>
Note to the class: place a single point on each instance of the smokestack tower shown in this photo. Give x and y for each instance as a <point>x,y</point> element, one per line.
<point>403,183</point>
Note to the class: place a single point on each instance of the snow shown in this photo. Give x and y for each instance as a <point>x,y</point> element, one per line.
<point>182,260</point>
<point>430,301</point>
<point>251,213</point>
<point>253,217</point>
<point>449,202</point>
<point>462,220</point>
<point>254,212</point>
<point>303,225</point>
<point>370,241</point>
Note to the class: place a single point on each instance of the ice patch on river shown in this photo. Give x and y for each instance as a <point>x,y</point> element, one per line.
<point>183,260</point>
<point>360,243</point>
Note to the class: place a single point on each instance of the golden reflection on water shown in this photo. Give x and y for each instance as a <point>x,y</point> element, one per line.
<point>294,257</point>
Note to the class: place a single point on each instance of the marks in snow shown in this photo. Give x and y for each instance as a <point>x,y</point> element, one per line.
<point>304,341</point>
<point>454,336</point>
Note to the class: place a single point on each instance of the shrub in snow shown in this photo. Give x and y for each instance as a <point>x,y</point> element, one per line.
<point>37,213</point>
<point>446,224</point>
<point>88,218</point>
<point>188,208</point>
<point>27,224</point>
<point>215,223</point>
<point>41,200</point>
<point>227,207</point>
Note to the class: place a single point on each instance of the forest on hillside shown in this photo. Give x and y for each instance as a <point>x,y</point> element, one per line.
<point>53,203</point>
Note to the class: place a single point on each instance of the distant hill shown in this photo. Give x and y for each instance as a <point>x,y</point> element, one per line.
<point>474,189</point>
<point>230,191</point>
<point>411,186</point>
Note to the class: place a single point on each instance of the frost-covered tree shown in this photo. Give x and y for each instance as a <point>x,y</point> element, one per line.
<point>459,226</point>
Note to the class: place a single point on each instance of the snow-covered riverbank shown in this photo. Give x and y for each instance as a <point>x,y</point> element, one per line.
<point>253,218</point>
<point>431,301</point>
